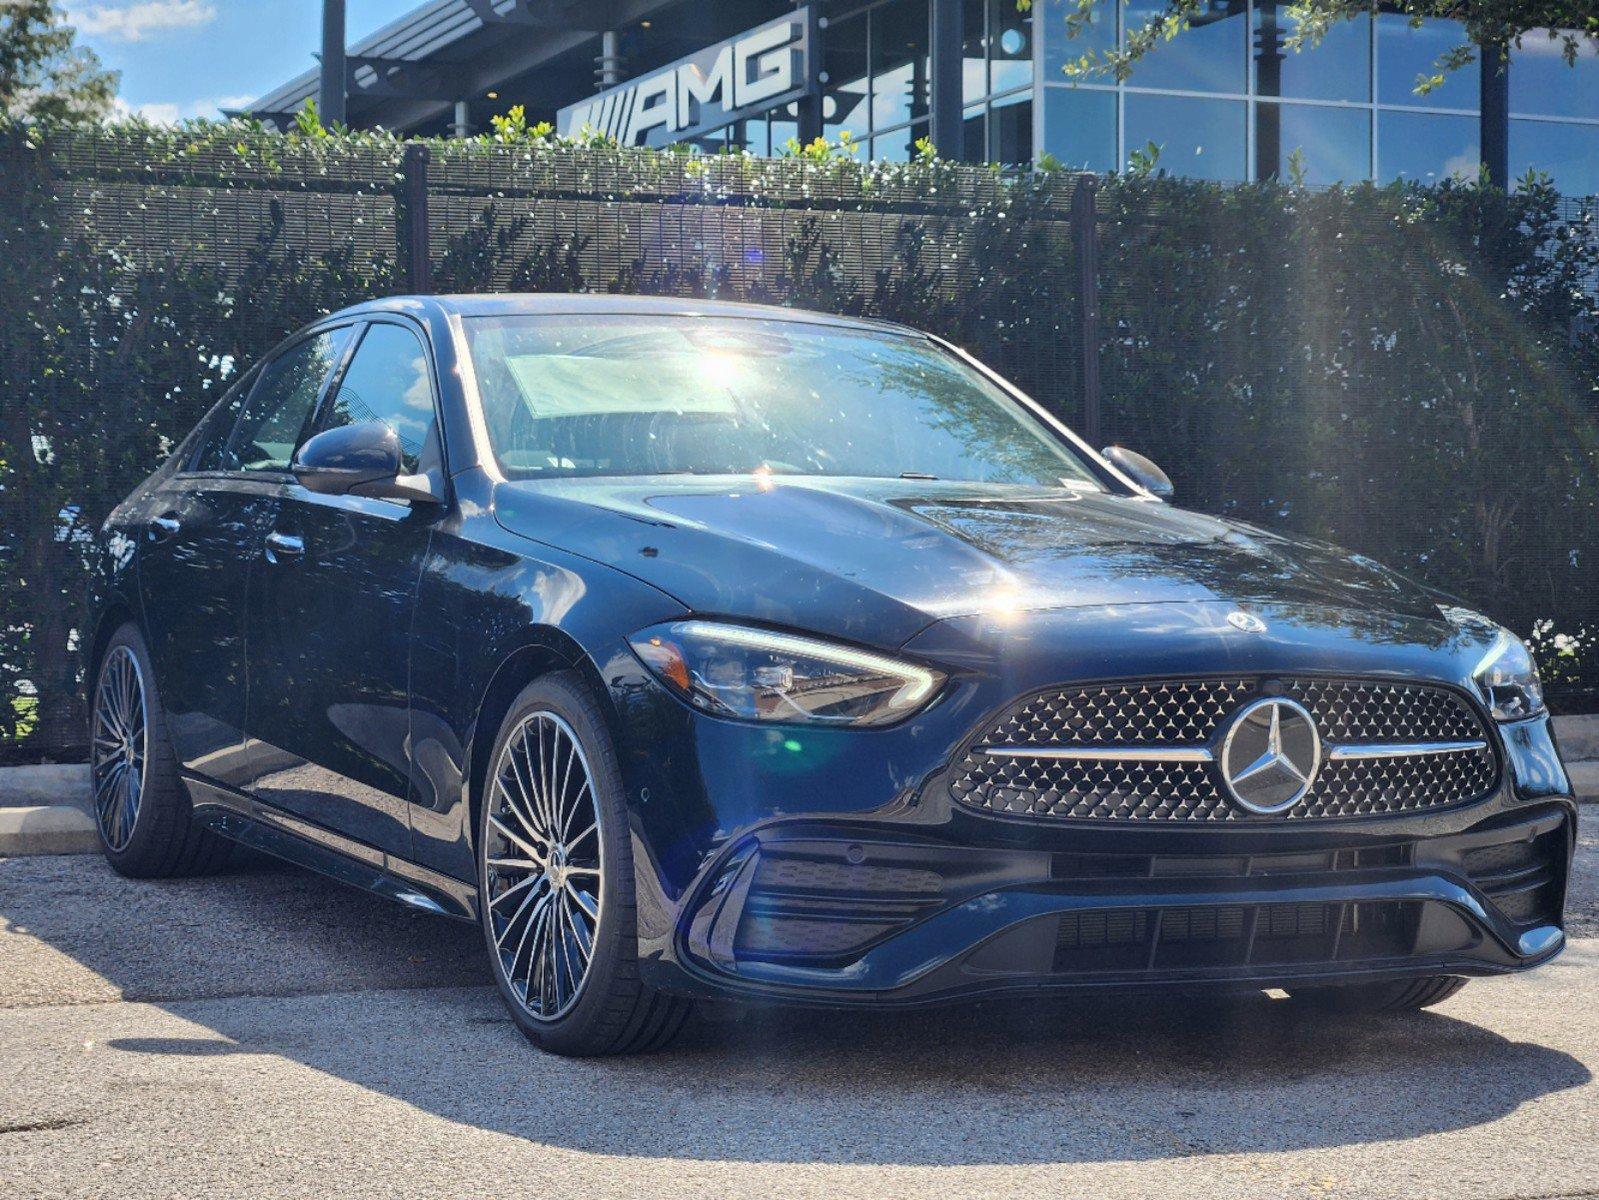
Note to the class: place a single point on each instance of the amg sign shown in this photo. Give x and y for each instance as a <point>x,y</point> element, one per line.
<point>739,78</point>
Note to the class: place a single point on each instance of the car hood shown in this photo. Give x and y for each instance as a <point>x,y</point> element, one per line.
<point>879,560</point>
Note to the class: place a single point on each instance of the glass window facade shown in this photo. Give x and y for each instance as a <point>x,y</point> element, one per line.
<point>1207,57</point>
<point>1426,147</point>
<point>847,94</point>
<point>900,64</point>
<point>1010,128</point>
<point>878,86</point>
<point>1226,100</point>
<point>1564,142</point>
<point>1010,47</point>
<point>1565,151</point>
<point>1406,55</point>
<point>1542,84</point>
<point>1080,127</point>
<point>1338,70</point>
<point>997,81</point>
<point>1198,138</point>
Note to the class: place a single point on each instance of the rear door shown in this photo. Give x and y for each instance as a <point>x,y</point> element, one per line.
<point>203,537</point>
<point>330,614</point>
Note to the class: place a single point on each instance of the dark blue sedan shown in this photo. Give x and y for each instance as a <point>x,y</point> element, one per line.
<point>702,650</point>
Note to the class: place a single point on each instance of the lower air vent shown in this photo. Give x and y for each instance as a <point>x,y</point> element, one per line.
<point>1522,878</point>
<point>816,905</point>
<point>1237,935</point>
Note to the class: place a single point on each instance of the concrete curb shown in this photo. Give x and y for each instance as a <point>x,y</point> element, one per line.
<point>46,829</point>
<point>25,787</point>
<point>1585,781</point>
<point>1578,738</point>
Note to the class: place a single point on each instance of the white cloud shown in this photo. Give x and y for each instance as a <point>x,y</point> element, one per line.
<point>136,22</point>
<point>170,113</point>
<point>1464,165</point>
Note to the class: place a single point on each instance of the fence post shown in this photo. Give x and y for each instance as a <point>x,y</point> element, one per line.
<point>1085,243</point>
<point>411,222</point>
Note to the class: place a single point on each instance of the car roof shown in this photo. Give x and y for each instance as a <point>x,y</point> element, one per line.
<point>499,304</point>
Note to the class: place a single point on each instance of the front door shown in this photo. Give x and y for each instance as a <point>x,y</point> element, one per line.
<point>201,543</point>
<point>329,622</point>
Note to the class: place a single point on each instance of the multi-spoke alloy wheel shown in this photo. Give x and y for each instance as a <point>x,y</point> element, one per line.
<point>556,887</point>
<point>544,864</point>
<point>121,748</point>
<point>146,818</point>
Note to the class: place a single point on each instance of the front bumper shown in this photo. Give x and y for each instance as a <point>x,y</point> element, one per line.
<point>833,866</point>
<point>859,914</point>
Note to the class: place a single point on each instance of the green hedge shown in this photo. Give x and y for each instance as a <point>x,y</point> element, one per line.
<point>1412,372</point>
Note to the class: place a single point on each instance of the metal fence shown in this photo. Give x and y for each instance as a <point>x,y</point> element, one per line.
<point>141,270</point>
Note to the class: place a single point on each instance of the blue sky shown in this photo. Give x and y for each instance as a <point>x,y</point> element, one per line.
<point>188,58</point>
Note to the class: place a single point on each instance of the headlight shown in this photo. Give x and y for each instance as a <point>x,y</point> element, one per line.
<point>759,675</point>
<point>1509,679</point>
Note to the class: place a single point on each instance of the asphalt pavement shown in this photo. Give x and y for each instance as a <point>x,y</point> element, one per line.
<point>266,1033</point>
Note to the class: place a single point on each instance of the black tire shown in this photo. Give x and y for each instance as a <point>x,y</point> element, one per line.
<point>614,1011</point>
<point>165,841</point>
<point>1403,995</point>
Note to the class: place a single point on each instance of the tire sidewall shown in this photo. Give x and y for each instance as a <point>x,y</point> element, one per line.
<point>615,937</point>
<point>142,841</point>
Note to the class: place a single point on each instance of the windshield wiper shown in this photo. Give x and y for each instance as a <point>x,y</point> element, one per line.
<point>917,475</point>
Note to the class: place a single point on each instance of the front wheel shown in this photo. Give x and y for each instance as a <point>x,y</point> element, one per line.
<point>555,881</point>
<point>141,809</point>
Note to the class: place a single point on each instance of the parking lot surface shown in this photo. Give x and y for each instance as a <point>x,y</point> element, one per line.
<point>268,1033</point>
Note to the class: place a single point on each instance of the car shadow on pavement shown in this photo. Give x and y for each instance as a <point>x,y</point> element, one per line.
<point>270,960</point>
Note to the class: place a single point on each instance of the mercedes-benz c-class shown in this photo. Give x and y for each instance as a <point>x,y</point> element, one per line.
<point>702,651</point>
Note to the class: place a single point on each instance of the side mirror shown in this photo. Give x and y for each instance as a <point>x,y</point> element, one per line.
<point>1142,471</point>
<point>360,460</point>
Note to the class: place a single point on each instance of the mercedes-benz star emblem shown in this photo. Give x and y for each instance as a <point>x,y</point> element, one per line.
<point>1270,756</point>
<point>1248,622</point>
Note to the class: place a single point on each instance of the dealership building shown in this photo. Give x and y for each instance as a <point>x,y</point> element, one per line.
<point>1225,100</point>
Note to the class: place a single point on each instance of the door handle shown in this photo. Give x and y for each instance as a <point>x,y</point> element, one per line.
<point>280,546</point>
<point>164,527</point>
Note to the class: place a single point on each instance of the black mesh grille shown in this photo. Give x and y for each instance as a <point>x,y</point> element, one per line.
<point>1194,713</point>
<point>1134,714</point>
<point>1522,878</point>
<point>1365,711</point>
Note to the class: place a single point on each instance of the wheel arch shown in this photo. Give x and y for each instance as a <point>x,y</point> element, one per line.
<point>115,612</point>
<point>543,651</point>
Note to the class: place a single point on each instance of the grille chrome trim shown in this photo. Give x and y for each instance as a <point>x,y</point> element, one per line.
<point>1201,754</point>
<point>1358,750</point>
<point>1204,754</point>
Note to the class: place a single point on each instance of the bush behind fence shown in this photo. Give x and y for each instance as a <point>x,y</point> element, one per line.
<point>1411,373</point>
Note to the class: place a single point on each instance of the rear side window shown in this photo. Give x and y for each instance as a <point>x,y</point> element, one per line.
<point>281,402</point>
<point>388,380</point>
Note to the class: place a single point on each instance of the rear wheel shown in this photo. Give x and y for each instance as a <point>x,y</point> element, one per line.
<point>142,812</point>
<point>1400,996</point>
<point>555,881</point>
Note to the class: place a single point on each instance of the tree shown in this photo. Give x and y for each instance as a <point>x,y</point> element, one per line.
<point>44,74</point>
<point>1572,24</point>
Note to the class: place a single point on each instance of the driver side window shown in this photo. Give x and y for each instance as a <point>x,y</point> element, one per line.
<point>281,402</point>
<point>389,380</point>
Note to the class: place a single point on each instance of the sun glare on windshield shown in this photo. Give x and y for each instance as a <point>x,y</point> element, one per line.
<point>647,395</point>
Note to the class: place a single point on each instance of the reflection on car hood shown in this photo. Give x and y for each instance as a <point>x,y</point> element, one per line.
<point>877,560</point>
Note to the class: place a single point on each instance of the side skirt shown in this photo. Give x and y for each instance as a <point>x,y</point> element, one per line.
<point>274,832</point>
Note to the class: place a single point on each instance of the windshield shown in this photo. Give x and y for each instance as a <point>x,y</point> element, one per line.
<point>646,395</point>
